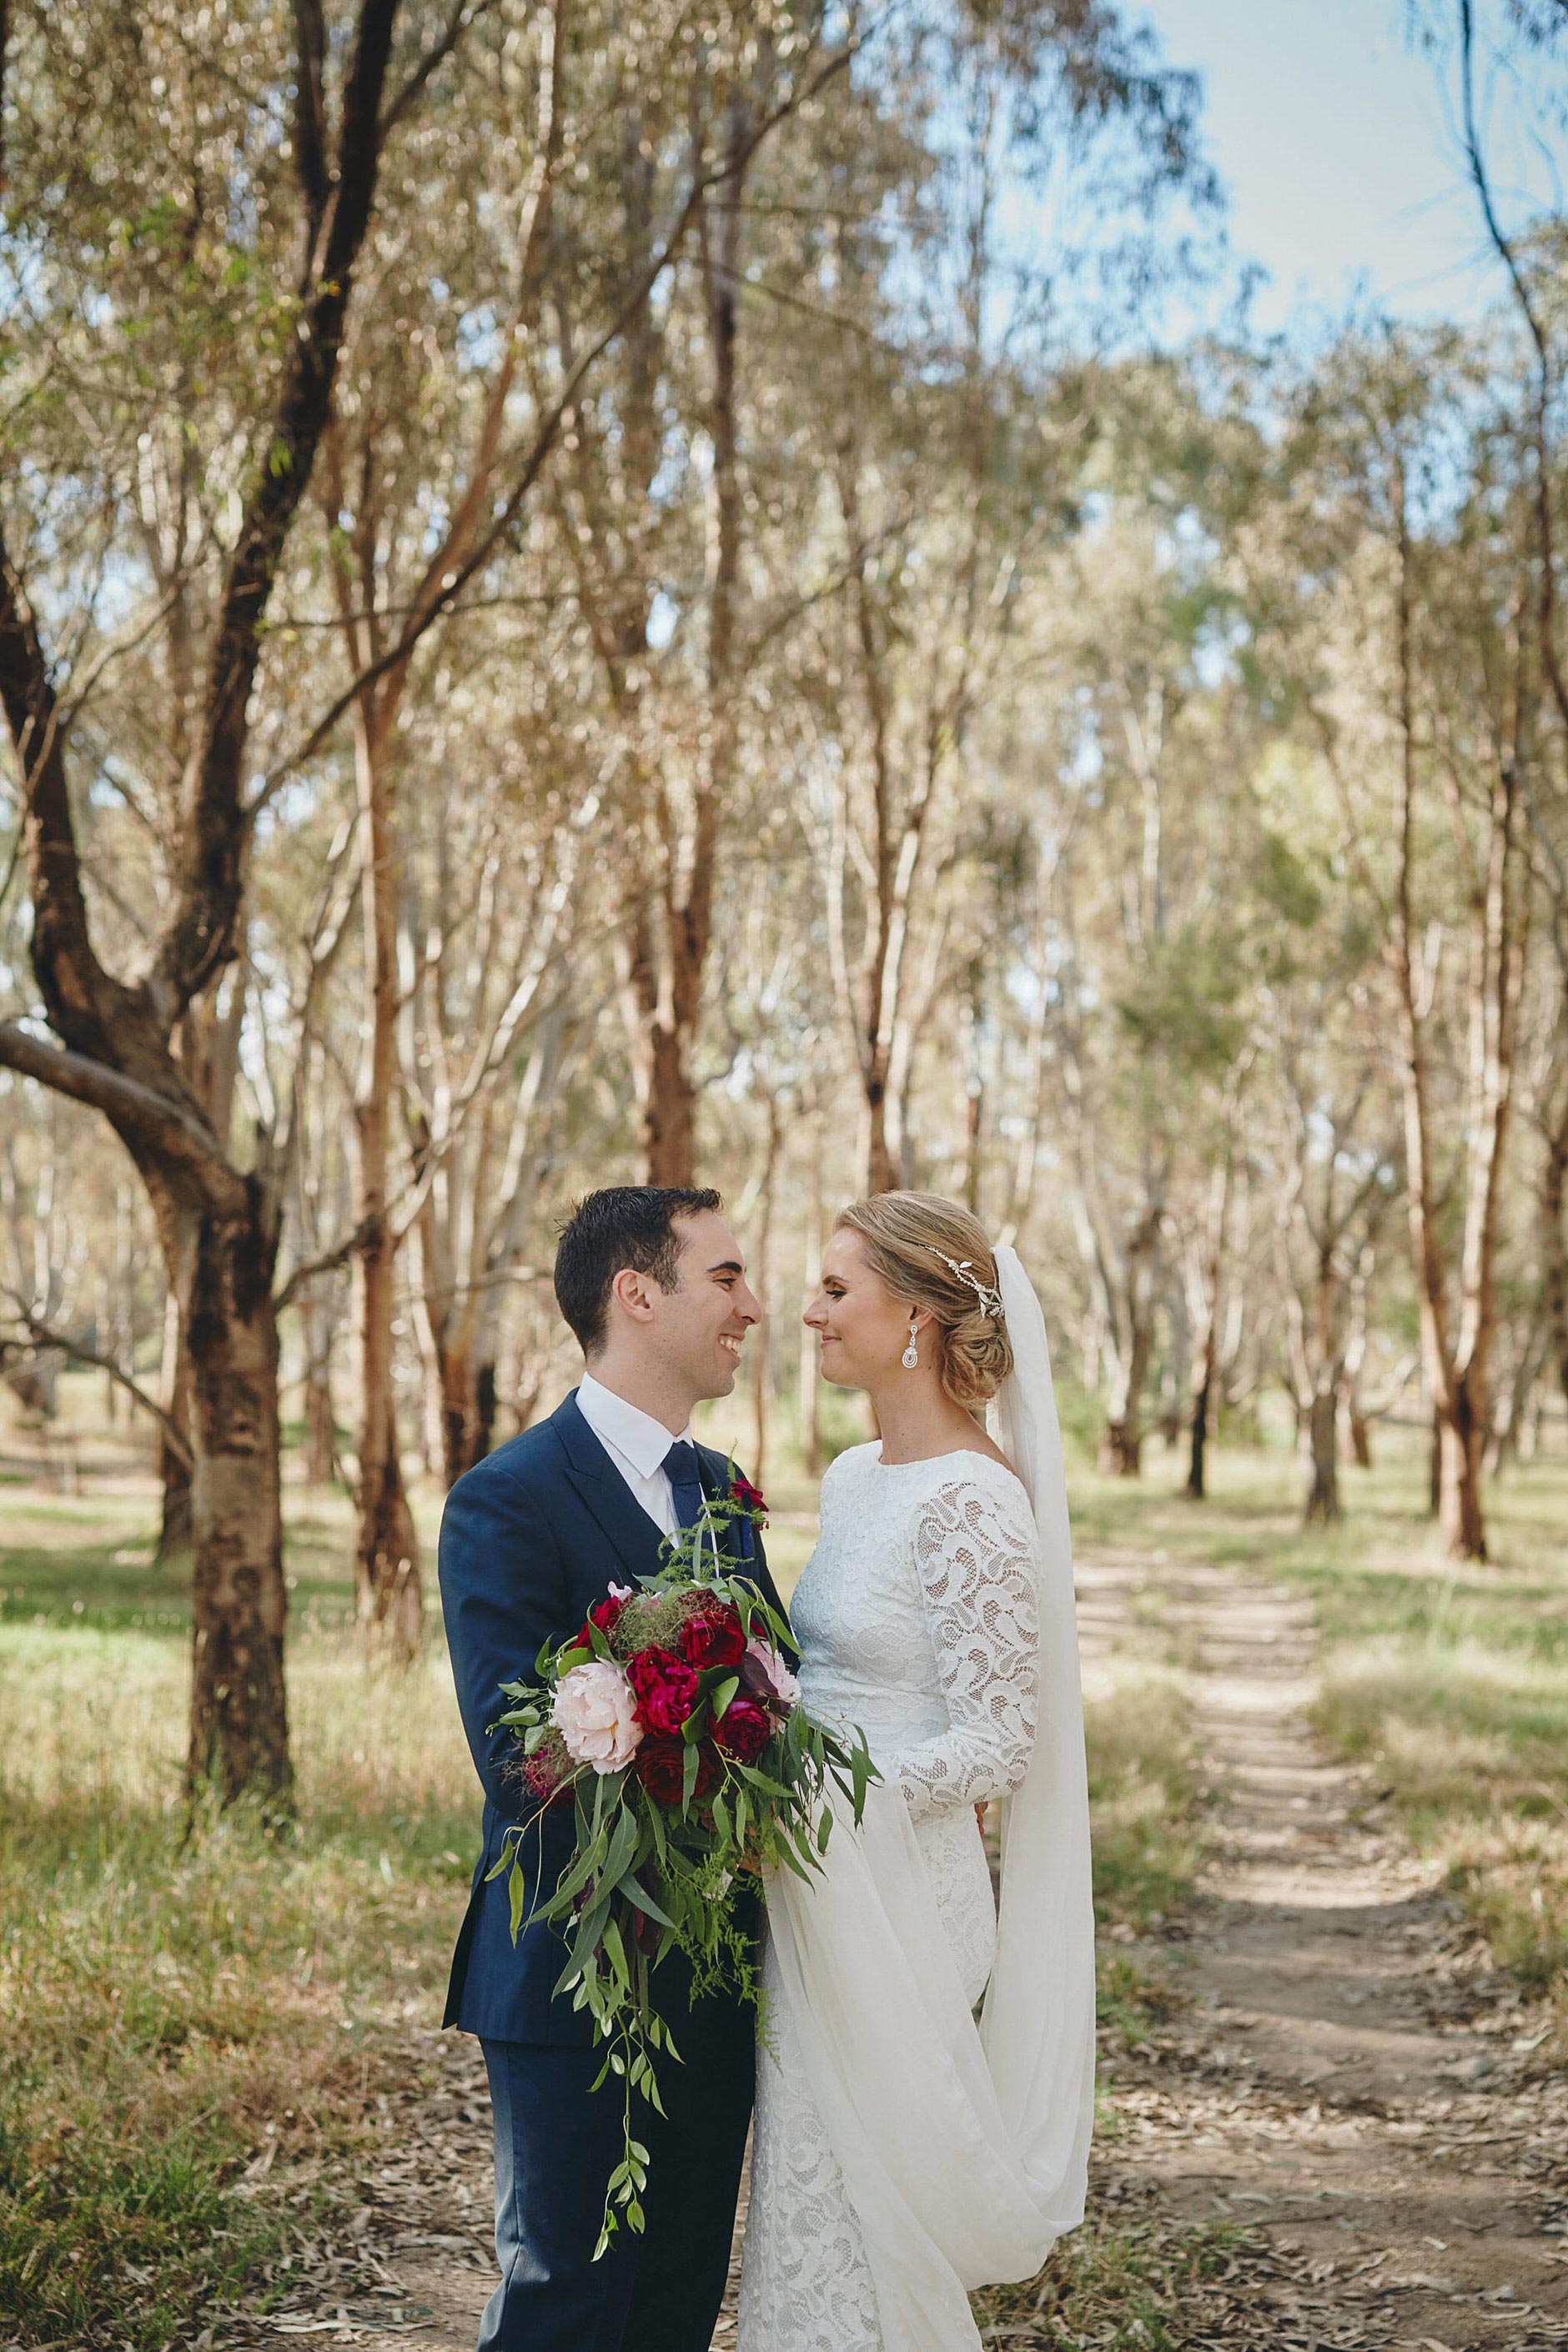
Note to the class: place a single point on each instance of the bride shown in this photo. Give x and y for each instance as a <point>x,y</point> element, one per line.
<point>902,2153</point>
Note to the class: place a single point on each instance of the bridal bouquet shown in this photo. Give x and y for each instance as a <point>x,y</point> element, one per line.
<point>671,1725</point>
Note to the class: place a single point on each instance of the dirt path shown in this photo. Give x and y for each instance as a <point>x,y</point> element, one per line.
<point>1344,2075</point>
<point>1341,2074</point>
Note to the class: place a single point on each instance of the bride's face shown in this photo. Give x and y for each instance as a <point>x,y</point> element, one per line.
<point>864,1326</point>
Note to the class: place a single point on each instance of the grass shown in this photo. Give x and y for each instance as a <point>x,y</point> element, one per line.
<point>1119,2286</point>
<point>194,2022</point>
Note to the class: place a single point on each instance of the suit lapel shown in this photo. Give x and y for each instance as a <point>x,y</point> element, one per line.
<point>633,1537</point>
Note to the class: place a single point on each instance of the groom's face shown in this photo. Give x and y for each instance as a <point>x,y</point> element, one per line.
<point>700,1327</point>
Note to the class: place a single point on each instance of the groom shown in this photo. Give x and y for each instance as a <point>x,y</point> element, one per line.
<point>652,1284</point>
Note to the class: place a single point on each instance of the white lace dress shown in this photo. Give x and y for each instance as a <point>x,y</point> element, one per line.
<point>916,1617</point>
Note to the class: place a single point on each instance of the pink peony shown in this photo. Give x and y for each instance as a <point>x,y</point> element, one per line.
<point>765,1675</point>
<point>595,1714</point>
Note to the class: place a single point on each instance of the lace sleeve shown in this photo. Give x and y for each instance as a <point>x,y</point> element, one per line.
<point>974,1554</point>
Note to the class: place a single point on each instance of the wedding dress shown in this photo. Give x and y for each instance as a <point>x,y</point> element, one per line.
<point>916,1618</point>
<point>901,2156</point>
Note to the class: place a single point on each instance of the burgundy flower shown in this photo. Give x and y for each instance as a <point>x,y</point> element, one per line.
<point>744,1730</point>
<point>666,1689</point>
<point>750,1498</point>
<point>713,1637</point>
<point>662,1764</point>
<point>606,1614</point>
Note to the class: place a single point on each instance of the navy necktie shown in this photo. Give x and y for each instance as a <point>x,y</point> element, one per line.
<point>684,1482</point>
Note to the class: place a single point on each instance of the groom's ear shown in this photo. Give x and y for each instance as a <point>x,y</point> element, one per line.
<point>632,1293</point>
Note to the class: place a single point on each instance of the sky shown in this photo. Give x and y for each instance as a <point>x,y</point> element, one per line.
<point>1332,134</point>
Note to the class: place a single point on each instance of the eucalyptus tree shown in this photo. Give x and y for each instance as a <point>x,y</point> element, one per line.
<point>940,389</point>
<point>1425,694</point>
<point>158,217</point>
<point>1529,240</point>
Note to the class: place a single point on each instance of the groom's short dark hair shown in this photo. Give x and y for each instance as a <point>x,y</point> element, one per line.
<point>626,1224</point>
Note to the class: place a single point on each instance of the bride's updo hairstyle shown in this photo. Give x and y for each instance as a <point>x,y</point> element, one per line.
<point>909,1237</point>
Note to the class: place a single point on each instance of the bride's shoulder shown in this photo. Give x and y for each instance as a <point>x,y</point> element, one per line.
<point>974,1486</point>
<point>845,1466</point>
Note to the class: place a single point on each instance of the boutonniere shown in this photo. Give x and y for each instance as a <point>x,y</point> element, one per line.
<point>749,1501</point>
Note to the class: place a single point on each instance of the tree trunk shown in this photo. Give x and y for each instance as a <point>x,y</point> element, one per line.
<point>485,1394</point>
<point>1122,1448</point>
<point>387,1583</point>
<point>1435,1466</point>
<point>321,1423</point>
<point>239,1722</point>
<point>1200,1430</point>
<point>760,1252</point>
<point>810,1382</point>
<point>467,1410</point>
<point>1322,1437</point>
<point>175,1535</point>
<point>1461,1450</point>
<point>876,1158</point>
<point>1361,1440</point>
<point>667,1095</point>
<point>1555,1241</point>
<point>388,1597</point>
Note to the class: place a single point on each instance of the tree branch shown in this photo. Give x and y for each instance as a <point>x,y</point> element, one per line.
<point>363,1234</point>
<point>125,1101</point>
<point>198,939</point>
<point>424,617</point>
<point>465,15</point>
<point>43,1335</point>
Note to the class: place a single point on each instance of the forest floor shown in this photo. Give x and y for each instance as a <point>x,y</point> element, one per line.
<point>1324,1765</point>
<point>1334,2128</point>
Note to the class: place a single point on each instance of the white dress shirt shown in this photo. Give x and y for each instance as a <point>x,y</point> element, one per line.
<point>636,1444</point>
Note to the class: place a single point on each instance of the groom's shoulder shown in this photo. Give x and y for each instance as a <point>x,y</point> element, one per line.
<point>534,1457</point>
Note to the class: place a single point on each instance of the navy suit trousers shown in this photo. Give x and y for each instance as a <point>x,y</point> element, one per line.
<point>557,2141</point>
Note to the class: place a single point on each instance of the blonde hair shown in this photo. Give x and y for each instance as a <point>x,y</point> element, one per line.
<point>915,1242</point>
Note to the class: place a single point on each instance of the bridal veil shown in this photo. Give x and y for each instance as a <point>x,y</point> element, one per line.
<point>964,2150</point>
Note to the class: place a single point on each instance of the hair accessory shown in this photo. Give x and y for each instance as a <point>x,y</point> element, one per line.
<point>990,1300</point>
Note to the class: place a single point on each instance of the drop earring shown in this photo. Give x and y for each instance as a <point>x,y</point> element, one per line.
<point>911,1354</point>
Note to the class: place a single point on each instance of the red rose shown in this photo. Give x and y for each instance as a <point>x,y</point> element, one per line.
<point>713,1637</point>
<point>662,1764</point>
<point>666,1689</point>
<point>743,1729</point>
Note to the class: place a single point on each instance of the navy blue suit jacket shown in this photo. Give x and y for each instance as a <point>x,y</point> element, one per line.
<point>531,1536</point>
